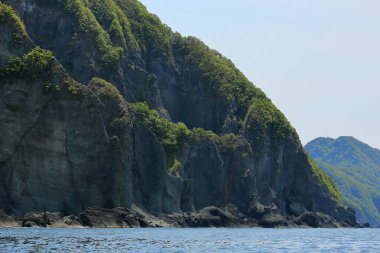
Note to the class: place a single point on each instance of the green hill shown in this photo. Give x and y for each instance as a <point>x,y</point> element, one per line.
<point>355,168</point>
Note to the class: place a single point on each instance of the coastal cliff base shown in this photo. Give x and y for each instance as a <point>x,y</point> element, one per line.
<point>137,218</point>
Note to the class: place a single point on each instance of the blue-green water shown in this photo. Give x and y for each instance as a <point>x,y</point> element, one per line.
<point>189,240</point>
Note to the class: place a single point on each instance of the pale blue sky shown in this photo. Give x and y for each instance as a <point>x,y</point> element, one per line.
<point>318,60</point>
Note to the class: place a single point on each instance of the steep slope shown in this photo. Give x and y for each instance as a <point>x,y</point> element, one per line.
<point>355,167</point>
<point>49,122</point>
<point>124,146</point>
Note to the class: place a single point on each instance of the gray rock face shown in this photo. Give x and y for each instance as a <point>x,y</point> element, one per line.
<point>6,221</point>
<point>65,147</point>
<point>52,141</point>
<point>296,209</point>
<point>225,173</point>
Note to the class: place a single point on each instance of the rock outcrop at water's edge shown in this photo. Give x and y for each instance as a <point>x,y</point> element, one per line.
<point>7,221</point>
<point>92,96</point>
<point>207,217</point>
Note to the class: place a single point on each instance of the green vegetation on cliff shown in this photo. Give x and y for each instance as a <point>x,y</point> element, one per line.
<point>146,27</point>
<point>355,168</point>
<point>263,116</point>
<point>29,65</point>
<point>90,29</point>
<point>109,94</point>
<point>115,22</point>
<point>106,89</point>
<point>89,25</point>
<point>174,135</point>
<point>218,71</point>
<point>326,180</point>
<point>8,16</point>
<point>171,135</point>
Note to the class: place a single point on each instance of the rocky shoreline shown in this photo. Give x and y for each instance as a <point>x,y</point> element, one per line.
<point>207,217</point>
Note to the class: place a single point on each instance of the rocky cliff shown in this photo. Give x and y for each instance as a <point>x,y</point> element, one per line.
<point>104,106</point>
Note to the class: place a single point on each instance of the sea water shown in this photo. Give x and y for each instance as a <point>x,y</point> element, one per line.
<point>189,240</point>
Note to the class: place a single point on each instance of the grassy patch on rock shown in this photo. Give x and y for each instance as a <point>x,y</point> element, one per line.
<point>31,64</point>
<point>9,16</point>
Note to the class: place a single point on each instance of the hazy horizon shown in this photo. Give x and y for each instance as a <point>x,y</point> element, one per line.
<point>318,62</point>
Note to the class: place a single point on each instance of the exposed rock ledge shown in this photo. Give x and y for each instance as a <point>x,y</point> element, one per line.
<point>207,217</point>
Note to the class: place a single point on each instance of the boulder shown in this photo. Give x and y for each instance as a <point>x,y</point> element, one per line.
<point>258,210</point>
<point>108,218</point>
<point>315,220</point>
<point>71,221</point>
<point>40,219</point>
<point>29,224</point>
<point>216,217</point>
<point>273,220</point>
<point>309,219</point>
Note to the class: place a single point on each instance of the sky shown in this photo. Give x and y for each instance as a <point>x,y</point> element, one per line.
<point>317,60</point>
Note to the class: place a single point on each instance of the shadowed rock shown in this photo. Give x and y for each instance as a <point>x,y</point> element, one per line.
<point>40,219</point>
<point>296,209</point>
<point>108,218</point>
<point>273,220</point>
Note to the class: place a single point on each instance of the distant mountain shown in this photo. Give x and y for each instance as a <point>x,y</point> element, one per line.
<point>355,168</point>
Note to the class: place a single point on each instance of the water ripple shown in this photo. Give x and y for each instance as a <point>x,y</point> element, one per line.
<point>189,240</point>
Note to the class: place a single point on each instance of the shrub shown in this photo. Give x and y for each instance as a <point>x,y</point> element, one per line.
<point>200,134</point>
<point>231,142</point>
<point>263,116</point>
<point>106,89</point>
<point>171,135</point>
<point>31,64</point>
